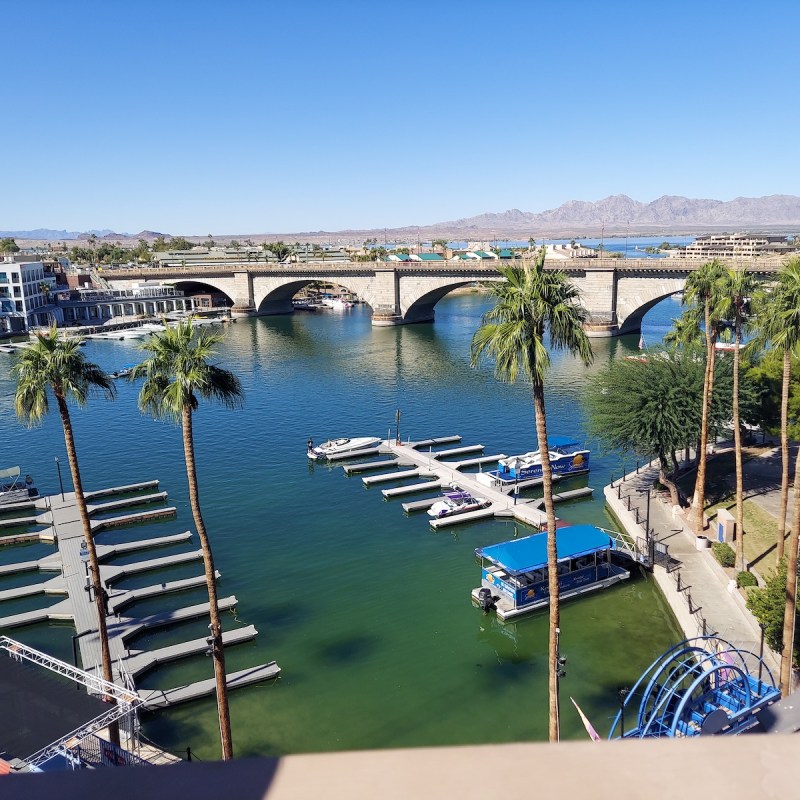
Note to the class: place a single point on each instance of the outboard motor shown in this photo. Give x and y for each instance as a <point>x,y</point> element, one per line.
<point>485,600</point>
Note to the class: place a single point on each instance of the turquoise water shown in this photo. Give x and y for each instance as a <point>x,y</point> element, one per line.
<point>366,610</point>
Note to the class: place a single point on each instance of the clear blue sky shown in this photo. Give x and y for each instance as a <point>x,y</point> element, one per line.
<point>249,117</point>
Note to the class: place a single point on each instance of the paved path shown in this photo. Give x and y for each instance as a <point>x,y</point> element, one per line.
<point>702,601</point>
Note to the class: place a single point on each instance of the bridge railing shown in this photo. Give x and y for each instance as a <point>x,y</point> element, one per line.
<point>649,265</point>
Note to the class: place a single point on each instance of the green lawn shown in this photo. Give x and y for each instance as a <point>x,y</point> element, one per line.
<point>760,528</point>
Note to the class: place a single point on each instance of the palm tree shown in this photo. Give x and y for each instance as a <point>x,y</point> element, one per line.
<point>531,302</point>
<point>176,375</point>
<point>778,321</point>
<point>702,291</point>
<point>59,365</point>
<point>736,287</point>
<point>789,613</point>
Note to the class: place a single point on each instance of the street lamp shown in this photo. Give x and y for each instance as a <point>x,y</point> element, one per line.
<point>60,482</point>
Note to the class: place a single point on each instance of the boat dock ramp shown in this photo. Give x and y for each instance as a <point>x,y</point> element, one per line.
<point>60,523</point>
<point>412,460</point>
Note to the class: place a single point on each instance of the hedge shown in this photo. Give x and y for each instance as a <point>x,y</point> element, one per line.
<point>724,553</point>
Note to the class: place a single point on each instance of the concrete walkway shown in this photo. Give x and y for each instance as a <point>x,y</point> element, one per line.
<point>694,584</point>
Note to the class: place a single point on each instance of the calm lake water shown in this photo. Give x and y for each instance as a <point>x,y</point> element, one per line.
<point>366,610</point>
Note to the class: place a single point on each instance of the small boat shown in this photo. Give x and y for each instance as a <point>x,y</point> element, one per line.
<point>14,488</point>
<point>124,372</point>
<point>566,458</point>
<point>336,446</point>
<point>514,575</point>
<point>457,502</point>
<point>336,303</point>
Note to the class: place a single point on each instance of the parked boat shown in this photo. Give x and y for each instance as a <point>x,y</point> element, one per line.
<point>566,458</point>
<point>514,574</point>
<point>123,372</point>
<point>14,488</point>
<point>336,446</point>
<point>336,303</point>
<point>457,502</point>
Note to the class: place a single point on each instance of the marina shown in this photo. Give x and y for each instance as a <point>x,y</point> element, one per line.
<point>278,523</point>
<point>64,527</point>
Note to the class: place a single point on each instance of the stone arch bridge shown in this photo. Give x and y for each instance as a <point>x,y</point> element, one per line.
<point>617,293</point>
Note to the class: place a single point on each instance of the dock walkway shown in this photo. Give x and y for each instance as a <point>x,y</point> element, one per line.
<point>443,473</point>
<point>62,523</point>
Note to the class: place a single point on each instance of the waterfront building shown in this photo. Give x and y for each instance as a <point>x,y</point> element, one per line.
<point>25,294</point>
<point>98,306</point>
<point>736,245</point>
<point>561,252</point>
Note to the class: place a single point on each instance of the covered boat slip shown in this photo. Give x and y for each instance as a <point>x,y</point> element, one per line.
<point>516,574</point>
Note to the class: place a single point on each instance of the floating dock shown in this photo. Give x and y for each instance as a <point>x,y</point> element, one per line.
<point>429,464</point>
<point>59,514</point>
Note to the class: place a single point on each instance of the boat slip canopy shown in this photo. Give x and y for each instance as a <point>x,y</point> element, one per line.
<point>530,553</point>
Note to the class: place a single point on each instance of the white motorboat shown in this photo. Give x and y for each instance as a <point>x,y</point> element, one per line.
<point>336,303</point>
<point>457,502</point>
<point>336,446</point>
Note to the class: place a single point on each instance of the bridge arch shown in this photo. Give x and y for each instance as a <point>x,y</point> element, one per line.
<point>193,286</point>
<point>274,295</point>
<point>420,308</point>
<point>636,296</point>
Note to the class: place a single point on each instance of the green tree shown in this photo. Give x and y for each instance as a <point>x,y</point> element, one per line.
<point>440,243</point>
<point>210,242</point>
<point>8,245</point>
<point>179,243</point>
<point>177,374</point>
<point>769,606</point>
<point>736,288</point>
<point>778,325</point>
<point>52,365</point>
<point>532,302</point>
<point>160,245</point>
<point>235,244</point>
<point>701,294</point>
<point>649,407</point>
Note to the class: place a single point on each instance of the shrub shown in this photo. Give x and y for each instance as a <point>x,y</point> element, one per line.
<point>746,579</point>
<point>768,606</point>
<point>724,553</point>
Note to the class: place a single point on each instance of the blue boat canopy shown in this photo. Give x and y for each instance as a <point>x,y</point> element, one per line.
<point>561,441</point>
<point>530,553</point>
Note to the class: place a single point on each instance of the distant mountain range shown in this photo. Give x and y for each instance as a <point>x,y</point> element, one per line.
<point>618,214</point>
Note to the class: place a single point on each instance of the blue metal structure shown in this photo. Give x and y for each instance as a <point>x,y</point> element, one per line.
<point>704,685</point>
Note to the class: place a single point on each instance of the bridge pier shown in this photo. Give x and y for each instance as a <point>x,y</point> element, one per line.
<point>243,303</point>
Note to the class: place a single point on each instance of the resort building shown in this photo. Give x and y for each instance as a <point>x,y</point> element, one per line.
<point>561,252</point>
<point>96,307</point>
<point>25,294</point>
<point>736,245</point>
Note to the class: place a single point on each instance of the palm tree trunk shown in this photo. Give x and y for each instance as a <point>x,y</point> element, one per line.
<point>552,560</point>
<point>737,448</point>
<point>699,499</point>
<point>787,375</point>
<point>790,610</point>
<point>94,566</point>
<point>217,650</point>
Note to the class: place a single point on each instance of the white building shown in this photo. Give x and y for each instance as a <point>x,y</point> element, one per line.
<point>25,291</point>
